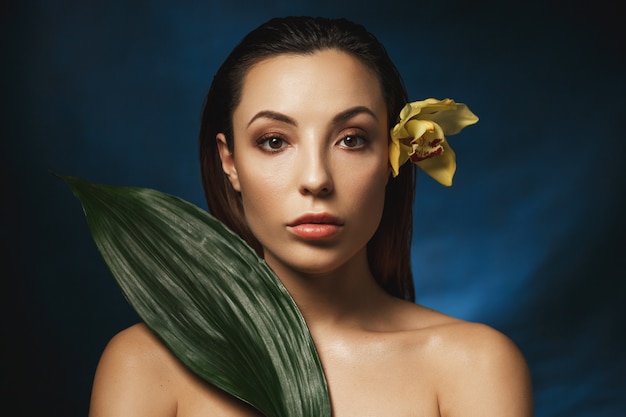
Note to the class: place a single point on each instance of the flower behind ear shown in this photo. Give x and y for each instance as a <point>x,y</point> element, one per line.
<point>420,133</point>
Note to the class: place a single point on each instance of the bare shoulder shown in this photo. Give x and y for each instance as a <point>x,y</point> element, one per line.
<point>479,370</point>
<point>135,342</point>
<point>138,376</point>
<point>135,376</point>
<point>478,347</point>
<point>463,340</point>
<point>138,349</point>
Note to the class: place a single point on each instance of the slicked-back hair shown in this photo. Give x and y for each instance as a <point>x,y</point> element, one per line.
<point>389,249</point>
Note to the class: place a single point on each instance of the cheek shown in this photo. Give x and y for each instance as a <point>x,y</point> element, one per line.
<point>367,193</point>
<point>375,199</point>
<point>260,195</point>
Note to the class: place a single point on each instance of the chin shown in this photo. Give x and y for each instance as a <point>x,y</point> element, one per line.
<point>315,261</point>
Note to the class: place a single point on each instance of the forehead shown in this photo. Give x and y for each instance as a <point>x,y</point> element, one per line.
<point>325,81</point>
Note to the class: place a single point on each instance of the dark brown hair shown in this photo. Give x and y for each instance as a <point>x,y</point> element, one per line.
<point>389,249</point>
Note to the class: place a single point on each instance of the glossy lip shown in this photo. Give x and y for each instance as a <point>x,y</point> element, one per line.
<point>315,226</point>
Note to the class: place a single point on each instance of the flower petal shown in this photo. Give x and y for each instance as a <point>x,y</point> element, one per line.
<point>417,128</point>
<point>441,167</point>
<point>420,136</point>
<point>454,119</point>
<point>395,156</point>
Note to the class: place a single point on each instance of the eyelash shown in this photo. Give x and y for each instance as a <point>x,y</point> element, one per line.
<point>362,141</point>
<point>264,142</point>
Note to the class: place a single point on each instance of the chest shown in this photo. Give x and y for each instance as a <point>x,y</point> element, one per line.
<point>380,378</point>
<point>367,377</point>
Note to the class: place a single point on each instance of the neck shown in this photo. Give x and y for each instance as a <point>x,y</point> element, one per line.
<point>348,296</point>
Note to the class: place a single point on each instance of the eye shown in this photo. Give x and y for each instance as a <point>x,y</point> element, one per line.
<point>352,141</point>
<point>271,143</point>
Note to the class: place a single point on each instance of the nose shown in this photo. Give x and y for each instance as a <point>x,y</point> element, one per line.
<point>315,176</point>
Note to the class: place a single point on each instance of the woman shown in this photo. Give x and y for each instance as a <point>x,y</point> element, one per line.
<point>295,158</point>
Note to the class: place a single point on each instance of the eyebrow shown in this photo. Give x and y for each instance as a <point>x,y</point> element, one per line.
<point>268,114</point>
<point>352,112</point>
<point>343,116</point>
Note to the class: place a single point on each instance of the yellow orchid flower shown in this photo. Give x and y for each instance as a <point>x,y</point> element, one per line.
<point>420,133</point>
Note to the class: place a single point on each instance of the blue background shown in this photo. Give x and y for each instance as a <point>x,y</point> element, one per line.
<point>530,239</point>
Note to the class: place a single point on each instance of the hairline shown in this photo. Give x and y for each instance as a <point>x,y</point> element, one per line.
<point>248,66</point>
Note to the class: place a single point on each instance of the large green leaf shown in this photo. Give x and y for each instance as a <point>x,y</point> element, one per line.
<point>206,294</point>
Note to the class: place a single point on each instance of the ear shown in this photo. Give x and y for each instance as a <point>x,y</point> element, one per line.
<point>228,162</point>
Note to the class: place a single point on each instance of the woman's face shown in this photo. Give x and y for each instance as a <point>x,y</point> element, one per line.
<point>310,158</point>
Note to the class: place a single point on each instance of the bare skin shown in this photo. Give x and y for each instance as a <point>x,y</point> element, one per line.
<point>382,356</point>
<point>448,368</point>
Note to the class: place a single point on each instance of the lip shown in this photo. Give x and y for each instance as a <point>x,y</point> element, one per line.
<point>315,226</point>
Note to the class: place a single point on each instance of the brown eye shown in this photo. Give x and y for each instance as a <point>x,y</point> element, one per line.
<point>275,143</point>
<point>352,141</point>
<point>271,143</point>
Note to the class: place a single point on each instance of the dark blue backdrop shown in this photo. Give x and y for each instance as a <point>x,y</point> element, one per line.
<point>529,240</point>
